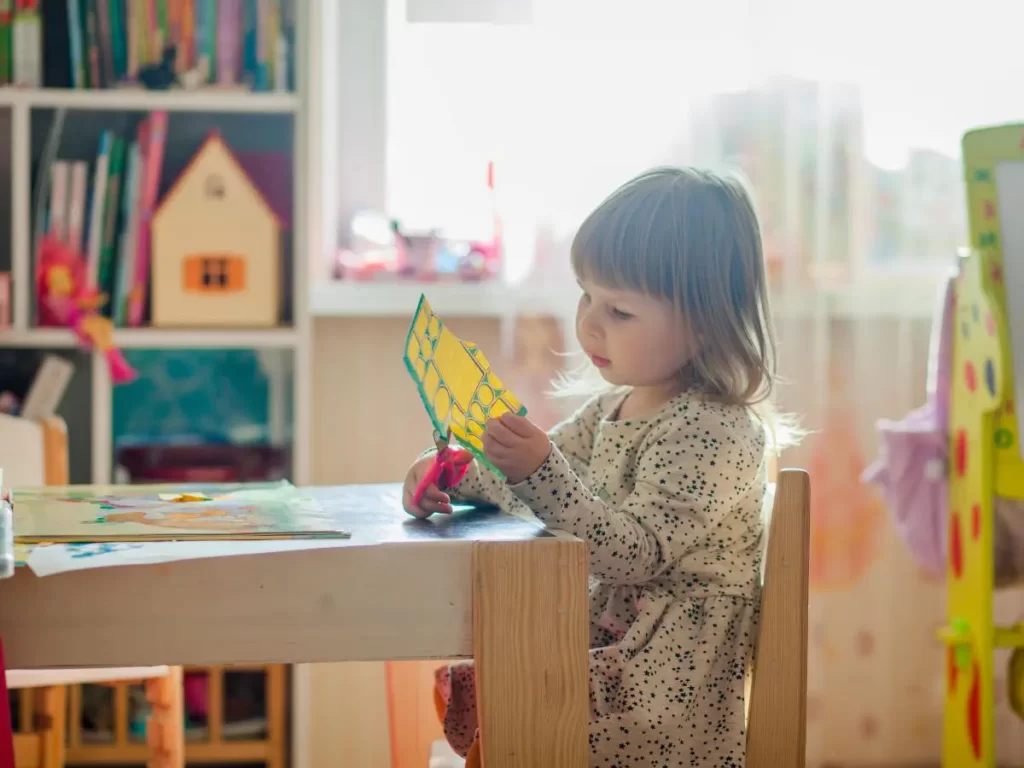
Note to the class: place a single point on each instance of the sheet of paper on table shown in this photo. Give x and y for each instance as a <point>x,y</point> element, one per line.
<point>135,513</point>
<point>51,559</point>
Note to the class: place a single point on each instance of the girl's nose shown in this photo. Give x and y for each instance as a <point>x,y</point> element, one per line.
<point>587,325</point>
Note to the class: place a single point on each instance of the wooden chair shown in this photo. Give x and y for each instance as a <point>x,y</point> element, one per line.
<point>36,453</point>
<point>777,718</point>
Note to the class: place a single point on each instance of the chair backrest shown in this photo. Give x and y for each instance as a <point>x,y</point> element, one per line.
<point>33,453</point>
<point>777,722</point>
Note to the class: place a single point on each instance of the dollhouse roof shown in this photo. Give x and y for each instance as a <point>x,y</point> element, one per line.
<point>214,138</point>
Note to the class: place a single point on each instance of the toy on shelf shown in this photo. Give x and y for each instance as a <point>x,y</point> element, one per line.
<point>216,253</point>
<point>66,300</point>
<point>979,378</point>
<point>455,381</point>
<point>382,249</point>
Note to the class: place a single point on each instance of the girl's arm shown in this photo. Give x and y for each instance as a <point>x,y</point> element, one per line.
<point>689,478</point>
<point>573,438</point>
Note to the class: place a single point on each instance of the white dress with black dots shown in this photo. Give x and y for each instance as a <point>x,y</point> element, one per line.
<point>671,507</point>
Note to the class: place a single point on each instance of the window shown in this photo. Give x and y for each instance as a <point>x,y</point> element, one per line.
<point>851,144</point>
<point>214,274</point>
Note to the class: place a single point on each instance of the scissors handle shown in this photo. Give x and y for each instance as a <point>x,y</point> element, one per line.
<point>444,472</point>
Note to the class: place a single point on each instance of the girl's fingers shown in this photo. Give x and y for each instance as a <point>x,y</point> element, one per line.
<point>493,448</point>
<point>500,434</point>
<point>433,500</point>
<point>435,494</point>
<point>416,510</point>
<point>431,505</point>
<point>517,425</point>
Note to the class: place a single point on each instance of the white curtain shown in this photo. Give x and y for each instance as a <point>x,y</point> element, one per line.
<point>847,118</point>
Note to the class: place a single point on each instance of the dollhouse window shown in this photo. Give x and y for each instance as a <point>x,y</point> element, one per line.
<point>214,273</point>
<point>215,187</point>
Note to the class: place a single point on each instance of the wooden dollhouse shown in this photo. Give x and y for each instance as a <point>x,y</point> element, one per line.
<point>216,256</point>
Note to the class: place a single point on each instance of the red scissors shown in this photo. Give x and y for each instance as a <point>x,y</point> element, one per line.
<point>449,467</point>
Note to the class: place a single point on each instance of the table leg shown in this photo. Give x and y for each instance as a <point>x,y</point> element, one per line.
<point>530,641</point>
<point>165,731</point>
<point>51,721</point>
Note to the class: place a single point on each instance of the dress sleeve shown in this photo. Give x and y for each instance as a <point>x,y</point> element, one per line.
<point>690,475</point>
<point>573,438</point>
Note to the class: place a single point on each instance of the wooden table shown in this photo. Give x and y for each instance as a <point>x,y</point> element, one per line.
<point>477,584</point>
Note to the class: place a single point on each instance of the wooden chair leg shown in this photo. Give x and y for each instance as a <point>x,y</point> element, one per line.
<point>276,717</point>
<point>165,731</point>
<point>50,721</point>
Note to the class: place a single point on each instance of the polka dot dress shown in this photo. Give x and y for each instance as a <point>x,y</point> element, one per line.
<point>671,506</point>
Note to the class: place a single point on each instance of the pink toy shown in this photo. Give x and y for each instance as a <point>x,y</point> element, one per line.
<point>66,301</point>
<point>913,467</point>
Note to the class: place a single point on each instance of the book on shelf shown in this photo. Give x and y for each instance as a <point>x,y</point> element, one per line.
<point>89,44</point>
<point>107,220</point>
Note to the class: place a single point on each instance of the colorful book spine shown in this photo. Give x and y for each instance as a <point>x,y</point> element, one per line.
<point>118,39</point>
<point>188,35</point>
<point>27,35</point>
<point>111,209</point>
<point>99,198</point>
<point>163,24</point>
<point>151,34</point>
<point>132,12</point>
<point>176,33</point>
<point>271,19</point>
<point>6,42</point>
<point>281,66</point>
<point>92,37</point>
<point>199,35</point>
<point>211,36</point>
<point>76,204</point>
<point>106,42</point>
<point>152,145</point>
<point>251,41</point>
<point>129,235</point>
<point>229,41</point>
<point>60,172</point>
<point>78,78</point>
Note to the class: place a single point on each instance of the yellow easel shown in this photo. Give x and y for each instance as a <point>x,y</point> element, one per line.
<point>985,457</point>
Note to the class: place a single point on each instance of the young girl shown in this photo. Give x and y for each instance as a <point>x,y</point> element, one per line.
<point>663,472</point>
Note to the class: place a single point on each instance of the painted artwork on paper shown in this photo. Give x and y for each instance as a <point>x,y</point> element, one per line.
<point>455,380</point>
<point>93,514</point>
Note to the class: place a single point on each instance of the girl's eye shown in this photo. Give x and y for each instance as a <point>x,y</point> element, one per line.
<point>620,314</point>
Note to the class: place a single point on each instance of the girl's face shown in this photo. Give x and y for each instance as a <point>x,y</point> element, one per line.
<point>634,339</point>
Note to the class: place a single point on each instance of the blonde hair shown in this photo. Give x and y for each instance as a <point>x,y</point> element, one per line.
<point>692,238</point>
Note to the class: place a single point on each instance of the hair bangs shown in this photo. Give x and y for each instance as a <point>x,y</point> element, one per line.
<point>621,246</point>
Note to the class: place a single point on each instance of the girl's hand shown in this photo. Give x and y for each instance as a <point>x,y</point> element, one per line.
<point>434,500</point>
<point>516,446</point>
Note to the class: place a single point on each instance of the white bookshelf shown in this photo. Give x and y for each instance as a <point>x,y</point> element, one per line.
<point>208,99</point>
<point>18,106</point>
<point>158,338</point>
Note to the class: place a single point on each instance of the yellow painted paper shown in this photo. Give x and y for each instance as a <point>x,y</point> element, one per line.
<point>455,381</point>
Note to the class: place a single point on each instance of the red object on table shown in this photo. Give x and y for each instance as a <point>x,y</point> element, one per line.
<point>6,727</point>
<point>449,467</point>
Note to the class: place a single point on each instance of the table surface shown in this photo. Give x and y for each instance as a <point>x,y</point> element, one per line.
<point>398,588</point>
<point>373,514</point>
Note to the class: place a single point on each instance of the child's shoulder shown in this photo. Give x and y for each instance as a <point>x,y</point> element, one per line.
<point>698,417</point>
